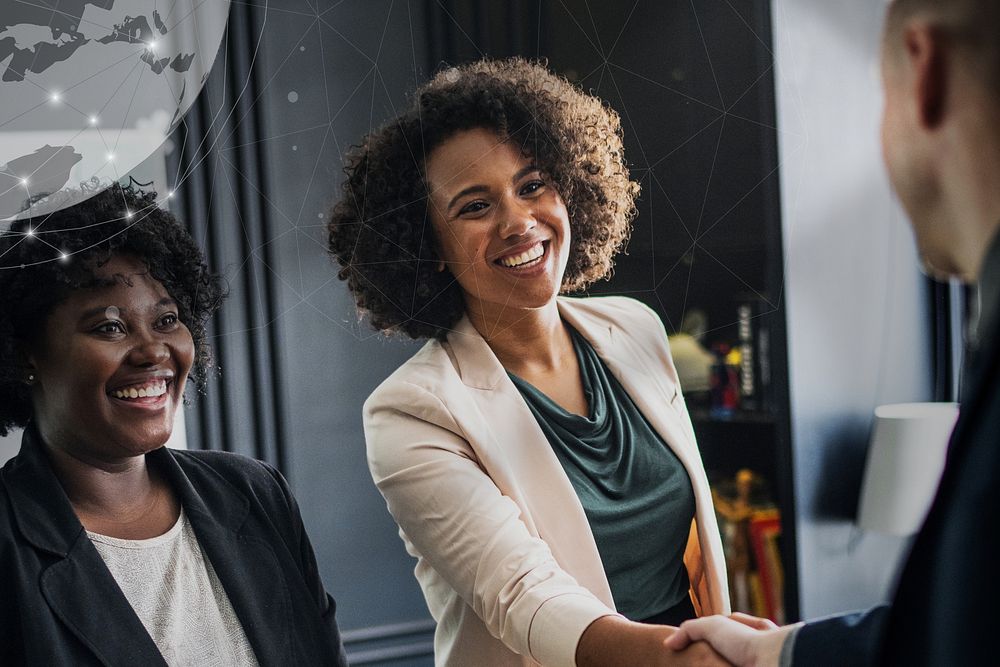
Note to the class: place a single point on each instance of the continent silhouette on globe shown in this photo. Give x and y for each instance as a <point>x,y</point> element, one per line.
<point>90,89</point>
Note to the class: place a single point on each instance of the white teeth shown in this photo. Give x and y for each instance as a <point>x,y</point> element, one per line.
<point>158,388</point>
<point>525,257</point>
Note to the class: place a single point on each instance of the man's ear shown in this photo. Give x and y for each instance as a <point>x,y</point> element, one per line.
<point>927,60</point>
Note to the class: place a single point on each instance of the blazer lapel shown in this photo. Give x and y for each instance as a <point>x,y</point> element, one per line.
<point>980,370</point>
<point>517,456</point>
<point>246,566</point>
<point>655,397</point>
<point>78,586</point>
<point>84,595</point>
<point>521,462</point>
<point>659,400</point>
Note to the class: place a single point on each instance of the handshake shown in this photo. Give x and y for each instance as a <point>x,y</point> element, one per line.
<point>739,639</point>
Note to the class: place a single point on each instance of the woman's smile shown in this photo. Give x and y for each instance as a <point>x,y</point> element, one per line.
<point>520,260</point>
<point>148,394</point>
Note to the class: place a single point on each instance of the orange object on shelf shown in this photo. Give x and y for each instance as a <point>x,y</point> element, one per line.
<point>750,532</point>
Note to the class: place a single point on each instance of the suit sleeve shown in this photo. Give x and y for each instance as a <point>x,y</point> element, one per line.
<point>458,521</point>
<point>309,568</point>
<point>845,640</point>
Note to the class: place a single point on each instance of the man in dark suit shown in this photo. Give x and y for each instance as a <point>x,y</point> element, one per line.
<point>941,143</point>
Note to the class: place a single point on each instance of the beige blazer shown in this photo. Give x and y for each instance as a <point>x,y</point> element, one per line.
<point>505,555</point>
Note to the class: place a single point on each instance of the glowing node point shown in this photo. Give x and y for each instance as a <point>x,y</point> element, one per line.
<point>110,157</point>
<point>93,120</point>
<point>170,194</point>
<point>128,214</point>
<point>63,256</point>
<point>152,45</point>
<point>30,232</point>
<point>24,182</point>
<point>55,97</point>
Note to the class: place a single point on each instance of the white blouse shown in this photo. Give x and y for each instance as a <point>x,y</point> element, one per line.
<point>176,594</point>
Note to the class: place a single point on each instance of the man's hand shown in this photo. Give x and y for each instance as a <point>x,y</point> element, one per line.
<point>698,654</point>
<point>745,641</point>
<point>754,622</point>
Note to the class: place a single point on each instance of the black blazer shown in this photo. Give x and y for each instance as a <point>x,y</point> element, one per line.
<point>945,610</point>
<point>59,604</point>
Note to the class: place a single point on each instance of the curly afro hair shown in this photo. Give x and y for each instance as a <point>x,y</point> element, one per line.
<point>34,279</point>
<point>380,230</point>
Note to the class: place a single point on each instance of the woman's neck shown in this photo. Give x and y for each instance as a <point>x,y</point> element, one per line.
<point>125,498</point>
<point>103,485</point>
<point>526,340</point>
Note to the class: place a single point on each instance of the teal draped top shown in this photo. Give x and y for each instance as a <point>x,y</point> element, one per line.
<point>635,492</point>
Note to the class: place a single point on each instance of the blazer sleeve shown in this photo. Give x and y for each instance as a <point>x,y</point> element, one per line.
<point>306,558</point>
<point>845,640</point>
<point>10,616</point>
<point>472,535</point>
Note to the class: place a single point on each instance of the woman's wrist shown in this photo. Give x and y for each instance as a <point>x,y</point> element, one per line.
<point>615,640</point>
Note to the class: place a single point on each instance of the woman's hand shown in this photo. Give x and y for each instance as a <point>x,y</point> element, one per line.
<point>613,640</point>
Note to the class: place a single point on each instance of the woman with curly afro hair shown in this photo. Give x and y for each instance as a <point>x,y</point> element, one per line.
<point>536,453</point>
<point>113,548</point>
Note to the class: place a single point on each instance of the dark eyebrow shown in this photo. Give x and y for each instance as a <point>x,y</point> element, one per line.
<point>99,310</point>
<point>467,191</point>
<point>524,171</point>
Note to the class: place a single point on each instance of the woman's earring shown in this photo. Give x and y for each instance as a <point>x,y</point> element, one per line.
<point>31,378</point>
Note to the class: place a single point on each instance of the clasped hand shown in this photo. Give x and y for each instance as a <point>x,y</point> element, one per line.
<point>743,640</point>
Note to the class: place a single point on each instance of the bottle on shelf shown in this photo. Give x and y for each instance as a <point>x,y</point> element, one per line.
<point>725,390</point>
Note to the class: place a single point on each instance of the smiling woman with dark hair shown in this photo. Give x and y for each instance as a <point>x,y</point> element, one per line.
<point>536,453</point>
<point>113,549</point>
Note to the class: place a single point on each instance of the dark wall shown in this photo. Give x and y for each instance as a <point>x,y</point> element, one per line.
<point>258,163</point>
<point>693,84</point>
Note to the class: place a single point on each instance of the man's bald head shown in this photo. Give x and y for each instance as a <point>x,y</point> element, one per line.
<point>973,26</point>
